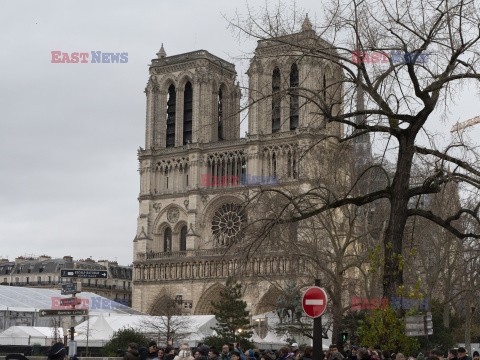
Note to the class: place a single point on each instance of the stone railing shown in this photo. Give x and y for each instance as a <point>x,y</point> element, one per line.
<point>211,266</point>
<point>167,255</point>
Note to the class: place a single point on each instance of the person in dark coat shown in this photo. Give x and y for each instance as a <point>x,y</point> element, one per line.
<point>169,353</point>
<point>225,352</point>
<point>132,352</point>
<point>353,353</point>
<point>57,351</point>
<point>462,354</point>
<point>143,351</point>
<point>452,354</point>
<point>152,350</point>
<point>307,354</point>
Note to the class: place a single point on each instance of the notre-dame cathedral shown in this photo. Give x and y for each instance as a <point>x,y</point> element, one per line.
<point>192,137</point>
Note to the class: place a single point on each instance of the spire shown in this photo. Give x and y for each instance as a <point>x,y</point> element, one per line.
<point>307,25</point>
<point>161,53</point>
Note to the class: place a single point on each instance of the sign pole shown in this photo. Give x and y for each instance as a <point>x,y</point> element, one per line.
<point>72,349</point>
<point>317,332</point>
<point>72,318</point>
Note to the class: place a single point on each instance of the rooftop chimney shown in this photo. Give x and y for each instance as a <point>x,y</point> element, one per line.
<point>19,259</point>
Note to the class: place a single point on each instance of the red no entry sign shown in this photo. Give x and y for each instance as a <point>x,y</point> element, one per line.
<point>314,301</point>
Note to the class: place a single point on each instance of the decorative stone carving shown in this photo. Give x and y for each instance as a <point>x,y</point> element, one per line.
<point>204,199</point>
<point>186,202</point>
<point>173,214</point>
<point>157,206</point>
<point>227,223</point>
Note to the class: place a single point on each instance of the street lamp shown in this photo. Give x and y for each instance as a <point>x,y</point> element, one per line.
<point>237,332</point>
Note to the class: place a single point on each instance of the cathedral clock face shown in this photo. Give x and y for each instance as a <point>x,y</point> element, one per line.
<point>227,223</point>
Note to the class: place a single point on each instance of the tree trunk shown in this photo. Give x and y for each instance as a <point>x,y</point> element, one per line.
<point>337,325</point>
<point>446,315</point>
<point>393,241</point>
<point>468,323</point>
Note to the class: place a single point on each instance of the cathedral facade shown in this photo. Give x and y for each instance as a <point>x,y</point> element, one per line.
<point>196,170</point>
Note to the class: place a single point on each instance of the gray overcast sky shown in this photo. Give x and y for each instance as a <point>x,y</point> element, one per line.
<point>69,133</point>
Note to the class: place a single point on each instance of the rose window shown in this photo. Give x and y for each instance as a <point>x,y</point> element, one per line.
<point>227,223</point>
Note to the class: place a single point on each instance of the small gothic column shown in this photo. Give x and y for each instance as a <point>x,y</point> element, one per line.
<point>150,116</point>
<point>179,117</point>
<point>196,124</point>
<point>161,116</point>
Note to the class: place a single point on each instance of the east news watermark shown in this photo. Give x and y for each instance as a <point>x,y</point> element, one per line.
<point>244,180</point>
<point>397,57</point>
<point>97,302</point>
<point>395,303</point>
<point>93,57</point>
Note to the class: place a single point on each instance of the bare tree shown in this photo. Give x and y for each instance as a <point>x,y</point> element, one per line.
<point>166,323</point>
<point>401,96</point>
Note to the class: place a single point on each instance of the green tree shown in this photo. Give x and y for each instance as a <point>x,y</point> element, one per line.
<point>232,318</point>
<point>120,340</point>
<point>383,328</point>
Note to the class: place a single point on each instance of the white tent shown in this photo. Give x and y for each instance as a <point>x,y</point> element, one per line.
<point>29,335</point>
<point>101,328</point>
<point>274,341</point>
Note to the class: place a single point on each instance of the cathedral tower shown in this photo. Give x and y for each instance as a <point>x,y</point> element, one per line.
<point>194,161</point>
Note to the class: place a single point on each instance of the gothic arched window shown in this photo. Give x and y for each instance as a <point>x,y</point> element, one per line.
<point>171,103</point>
<point>294,97</point>
<point>187,113</point>
<point>276,100</point>
<point>183,238</point>
<point>167,240</point>
<point>220,115</point>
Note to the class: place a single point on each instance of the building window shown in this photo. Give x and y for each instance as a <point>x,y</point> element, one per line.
<point>276,100</point>
<point>187,113</point>
<point>294,97</point>
<point>183,239</point>
<point>220,115</point>
<point>171,104</point>
<point>167,240</point>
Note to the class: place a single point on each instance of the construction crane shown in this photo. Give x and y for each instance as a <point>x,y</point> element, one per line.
<point>466,123</point>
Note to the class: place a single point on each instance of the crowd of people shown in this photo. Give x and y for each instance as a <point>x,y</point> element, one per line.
<point>293,352</point>
<point>203,352</point>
